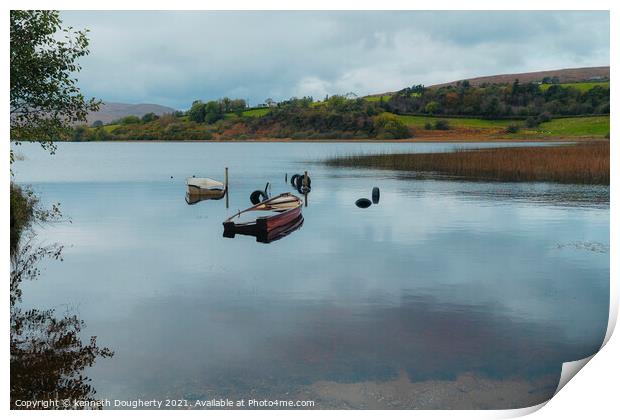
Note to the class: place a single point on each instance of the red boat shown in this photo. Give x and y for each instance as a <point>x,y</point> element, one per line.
<point>270,215</point>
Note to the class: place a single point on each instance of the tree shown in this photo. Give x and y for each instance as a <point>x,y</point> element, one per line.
<point>431,107</point>
<point>47,356</point>
<point>226,104</point>
<point>45,99</point>
<point>213,112</point>
<point>237,105</point>
<point>389,127</point>
<point>491,107</point>
<point>151,116</point>
<point>197,112</point>
<point>97,123</point>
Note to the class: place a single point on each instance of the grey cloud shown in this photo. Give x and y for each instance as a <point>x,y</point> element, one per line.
<point>172,58</point>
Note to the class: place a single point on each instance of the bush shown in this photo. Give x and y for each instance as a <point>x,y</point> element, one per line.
<point>532,122</point>
<point>390,127</point>
<point>512,128</point>
<point>146,118</point>
<point>23,204</point>
<point>129,119</point>
<point>442,125</point>
<point>544,117</point>
<point>428,125</point>
<point>79,133</point>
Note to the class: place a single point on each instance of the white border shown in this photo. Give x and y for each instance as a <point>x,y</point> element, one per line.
<point>592,394</point>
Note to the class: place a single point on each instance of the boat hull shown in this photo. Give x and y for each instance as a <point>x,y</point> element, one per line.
<point>262,225</point>
<point>197,191</point>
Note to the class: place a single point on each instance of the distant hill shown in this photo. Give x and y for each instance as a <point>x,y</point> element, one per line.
<point>111,111</point>
<point>564,75</point>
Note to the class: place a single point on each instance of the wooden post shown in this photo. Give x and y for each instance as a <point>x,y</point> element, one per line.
<point>286,177</point>
<point>305,184</point>
<point>226,184</point>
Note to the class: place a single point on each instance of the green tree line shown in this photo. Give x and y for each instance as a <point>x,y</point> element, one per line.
<point>500,100</point>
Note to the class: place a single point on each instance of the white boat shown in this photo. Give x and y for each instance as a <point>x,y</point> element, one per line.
<point>205,187</point>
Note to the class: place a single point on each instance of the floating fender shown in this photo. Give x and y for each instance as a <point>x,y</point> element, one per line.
<point>375,195</point>
<point>299,183</point>
<point>294,180</point>
<point>258,196</point>
<point>363,203</point>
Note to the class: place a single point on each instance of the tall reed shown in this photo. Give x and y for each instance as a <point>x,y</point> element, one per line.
<point>581,163</point>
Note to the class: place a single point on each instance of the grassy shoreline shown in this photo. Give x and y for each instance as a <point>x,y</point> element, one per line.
<point>421,128</point>
<point>445,139</point>
<point>580,163</point>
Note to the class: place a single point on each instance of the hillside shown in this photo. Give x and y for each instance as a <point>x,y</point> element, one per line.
<point>581,74</point>
<point>564,106</point>
<point>111,111</point>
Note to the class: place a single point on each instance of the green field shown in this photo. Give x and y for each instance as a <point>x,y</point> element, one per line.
<point>377,98</point>
<point>419,121</point>
<point>582,86</point>
<point>110,127</point>
<point>559,127</point>
<point>258,112</point>
<point>581,126</point>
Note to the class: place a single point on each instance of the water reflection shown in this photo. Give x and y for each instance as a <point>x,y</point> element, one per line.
<point>48,356</point>
<point>262,347</point>
<point>444,286</point>
<point>270,235</point>
<point>197,198</point>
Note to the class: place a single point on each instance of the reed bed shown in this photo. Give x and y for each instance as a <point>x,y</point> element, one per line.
<point>581,163</point>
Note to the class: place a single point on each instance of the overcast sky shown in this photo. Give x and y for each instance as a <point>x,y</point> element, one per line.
<point>173,58</point>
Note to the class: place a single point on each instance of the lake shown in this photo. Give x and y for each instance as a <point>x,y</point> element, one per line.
<point>446,294</point>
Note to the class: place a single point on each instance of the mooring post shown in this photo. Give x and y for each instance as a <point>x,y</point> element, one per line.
<point>286,177</point>
<point>305,187</point>
<point>226,184</point>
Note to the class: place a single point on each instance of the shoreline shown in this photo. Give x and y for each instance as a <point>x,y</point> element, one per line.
<point>408,140</point>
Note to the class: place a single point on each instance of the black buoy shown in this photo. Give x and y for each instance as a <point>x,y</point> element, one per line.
<point>363,203</point>
<point>299,183</point>
<point>258,196</point>
<point>294,180</point>
<point>375,195</point>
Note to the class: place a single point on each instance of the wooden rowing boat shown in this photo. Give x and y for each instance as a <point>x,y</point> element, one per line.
<point>270,215</point>
<point>205,187</point>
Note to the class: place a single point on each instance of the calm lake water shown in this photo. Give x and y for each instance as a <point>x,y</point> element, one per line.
<point>441,282</point>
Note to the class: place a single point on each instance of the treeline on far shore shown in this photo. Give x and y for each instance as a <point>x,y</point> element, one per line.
<point>350,117</point>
